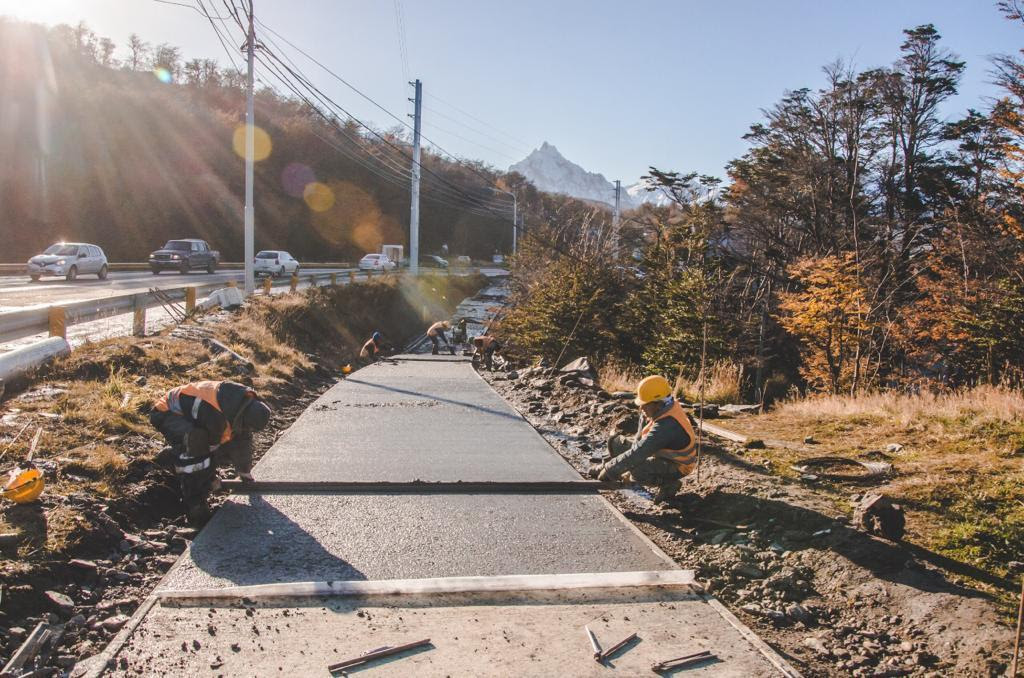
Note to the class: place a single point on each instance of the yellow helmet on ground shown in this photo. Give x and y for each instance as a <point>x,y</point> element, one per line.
<point>24,485</point>
<point>650,389</point>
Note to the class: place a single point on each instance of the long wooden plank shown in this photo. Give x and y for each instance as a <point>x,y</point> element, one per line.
<point>438,585</point>
<point>724,433</point>
<point>417,487</point>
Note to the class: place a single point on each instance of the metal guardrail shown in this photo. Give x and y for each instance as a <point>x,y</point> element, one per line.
<point>16,269</point>
<point>57,317</point>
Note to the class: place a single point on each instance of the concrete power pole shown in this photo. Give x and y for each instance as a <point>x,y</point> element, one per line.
<point>414,206</point>
<point>615,217</point>
<point>250,143</point>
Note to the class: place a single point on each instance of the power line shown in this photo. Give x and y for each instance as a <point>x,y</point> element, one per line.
<point>475,143</point>
<point>403,50</point>
<point>482,122</point>
<point>516,148</point>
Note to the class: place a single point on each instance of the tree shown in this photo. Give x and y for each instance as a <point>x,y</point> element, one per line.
<point>167,57</point>
<point>105,52</point>
<point>138,53</point>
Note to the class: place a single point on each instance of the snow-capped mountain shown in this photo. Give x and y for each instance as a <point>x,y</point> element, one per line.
<point>550,171</point>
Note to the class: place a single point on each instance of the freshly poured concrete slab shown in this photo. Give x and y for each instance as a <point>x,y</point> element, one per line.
<point>423,419</point>
<point>289,537</point>
<point>537,634</point>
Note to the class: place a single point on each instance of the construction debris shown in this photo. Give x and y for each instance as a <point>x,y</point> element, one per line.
<point>685,660</point>
<point>877,515</point>
<point>860,471</point>
<point>376,654</point>
<point>611,651</point>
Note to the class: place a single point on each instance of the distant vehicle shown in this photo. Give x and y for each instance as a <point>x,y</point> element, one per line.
<point>498,259</point>
<point>396,253</point>
<point>376,262</point>
<point>433,261</point>
<point>463,260</point>
<point>69,259</point>
<point>183,256</point>
<point>275,263</point>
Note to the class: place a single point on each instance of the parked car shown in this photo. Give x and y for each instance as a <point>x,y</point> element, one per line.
<point>275,263</point>
<point>463,260</point>
<point>376,262</point>
<point>433,261</point>
<point>183,256</point>
<point>69,259</point>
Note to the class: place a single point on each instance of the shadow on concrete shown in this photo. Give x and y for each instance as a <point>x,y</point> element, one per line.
<point>254,543</point>
<point>459,403</point>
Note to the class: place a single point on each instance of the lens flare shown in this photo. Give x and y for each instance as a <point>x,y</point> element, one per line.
<point>295,178</point>
<point>261,143</point>
<point>319,197</point>
<point>163,75</point>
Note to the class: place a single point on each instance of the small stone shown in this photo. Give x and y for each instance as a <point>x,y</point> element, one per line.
<point>235,647</point>
<point>748,570</point>
<point>60,601</point>
<point>751,608</point>
<point>809,440</point>
<point>196,645</point>
<point>114,623</point>
<point>77,620</point>
<point>86,565</point>
<point>798,613</point>
<point>17,633</point>
<point>893,448</point>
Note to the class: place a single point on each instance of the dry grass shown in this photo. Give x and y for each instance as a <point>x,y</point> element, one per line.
<point>722,384</point>
<point>960,472</point>
<point>618,377</point>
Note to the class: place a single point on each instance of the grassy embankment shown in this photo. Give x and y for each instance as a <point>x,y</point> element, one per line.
<point>93,405</point>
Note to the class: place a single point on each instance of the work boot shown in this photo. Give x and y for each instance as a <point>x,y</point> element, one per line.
<point>246,477</point>
<point>198,511</point>
<point>667,491</point>
<point>452,349</point>
<point>434,351</point>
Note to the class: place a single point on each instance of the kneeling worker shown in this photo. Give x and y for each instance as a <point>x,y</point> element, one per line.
<point>208,423</point>
<point>486,345</point>
<point>372,349</point>
<point>436,332</point>
<point>663,450</point>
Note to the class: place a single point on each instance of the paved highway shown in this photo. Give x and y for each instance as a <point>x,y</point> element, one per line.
<point>18,291</point>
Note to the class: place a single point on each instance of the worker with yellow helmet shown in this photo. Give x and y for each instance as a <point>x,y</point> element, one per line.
<point>663,450</point>
<point>24,484</point>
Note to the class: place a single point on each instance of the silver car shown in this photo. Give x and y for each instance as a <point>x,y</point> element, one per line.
<point>69,259</point>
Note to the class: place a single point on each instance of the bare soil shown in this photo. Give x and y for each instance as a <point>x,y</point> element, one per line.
<point>783,555</point>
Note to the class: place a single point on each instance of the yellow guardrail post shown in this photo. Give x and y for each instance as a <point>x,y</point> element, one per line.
<point>294,282</point>
<point>351,277</point>
<point>139,316</point>
<point>334,279</point>
<point>190,299</point>
<point>266,285</point>
<point>58,322</point>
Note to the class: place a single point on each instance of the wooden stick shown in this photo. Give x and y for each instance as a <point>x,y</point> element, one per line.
<point>377,654</point>
<point>685,660</point>
<point>1020,618</point>
<point>28,649</point>
<point>617,646</point>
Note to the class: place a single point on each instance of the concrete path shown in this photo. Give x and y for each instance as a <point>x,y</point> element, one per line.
<point>429,419</point>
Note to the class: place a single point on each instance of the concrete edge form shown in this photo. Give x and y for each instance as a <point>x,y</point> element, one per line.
<point>764,648</point>
<point>417,487</point>
<point>98,664</point>
<point>438,585</point>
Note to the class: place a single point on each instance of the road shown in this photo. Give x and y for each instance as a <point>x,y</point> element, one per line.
<point>18,291</point>
<point>423,418</point>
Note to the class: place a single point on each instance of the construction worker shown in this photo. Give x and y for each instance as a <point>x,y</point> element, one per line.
<point>486,345</point>
<point>372,349</point>
<point>460,335</point>
<point>663,450</point>
<point>208,423</point>
<point>436,335</point>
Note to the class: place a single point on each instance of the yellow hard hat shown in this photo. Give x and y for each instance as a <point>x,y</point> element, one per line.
<point>347,369</point>
<point>650,389</point>
<point>24,485</point>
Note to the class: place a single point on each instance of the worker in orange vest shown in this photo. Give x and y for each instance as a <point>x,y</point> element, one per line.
<point>486,345</point>
<point>208,423</point>
<point>663,451</point>
<point>436,334</point>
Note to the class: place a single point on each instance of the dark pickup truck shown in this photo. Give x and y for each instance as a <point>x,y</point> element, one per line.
<point>183,256</point>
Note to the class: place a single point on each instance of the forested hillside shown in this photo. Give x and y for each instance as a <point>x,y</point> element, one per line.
<point>126,146</point>
<point>870,237</point>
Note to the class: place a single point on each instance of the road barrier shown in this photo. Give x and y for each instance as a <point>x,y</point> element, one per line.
<point>17,362</point>
<point>15,269</point>
<point>56,319</point>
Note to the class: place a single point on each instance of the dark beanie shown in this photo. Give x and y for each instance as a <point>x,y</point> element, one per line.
<point>256,416</point>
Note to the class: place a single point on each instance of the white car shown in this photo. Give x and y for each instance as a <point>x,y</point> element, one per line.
<point>275,263</point>
<point>69,259</point>
<point>376,262</point>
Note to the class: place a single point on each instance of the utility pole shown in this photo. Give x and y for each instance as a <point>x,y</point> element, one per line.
<point>414,203</point>
<point>250,143</point>
<point>615,217</point>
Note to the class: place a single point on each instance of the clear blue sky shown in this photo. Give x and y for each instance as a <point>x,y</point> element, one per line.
<point>616,86</point>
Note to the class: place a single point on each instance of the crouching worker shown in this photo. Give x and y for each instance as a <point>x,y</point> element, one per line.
<point>208,423</point>
<point>663,450</point>
<point>373,349</point>
<point>486,346</point>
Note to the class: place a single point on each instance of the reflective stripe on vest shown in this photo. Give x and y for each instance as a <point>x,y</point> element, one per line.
<point>686,458</point>
<point>202,392</point>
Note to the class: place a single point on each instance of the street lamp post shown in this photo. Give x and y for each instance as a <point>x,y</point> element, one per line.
<point>515,213</point>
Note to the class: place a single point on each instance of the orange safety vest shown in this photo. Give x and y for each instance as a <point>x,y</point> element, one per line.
<point>686,458</point>
<point>484,341</point>
<point>203,392</point>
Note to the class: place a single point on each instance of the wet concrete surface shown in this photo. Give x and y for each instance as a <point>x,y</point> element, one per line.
<point>285,538</point>
<point>421,419</point>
